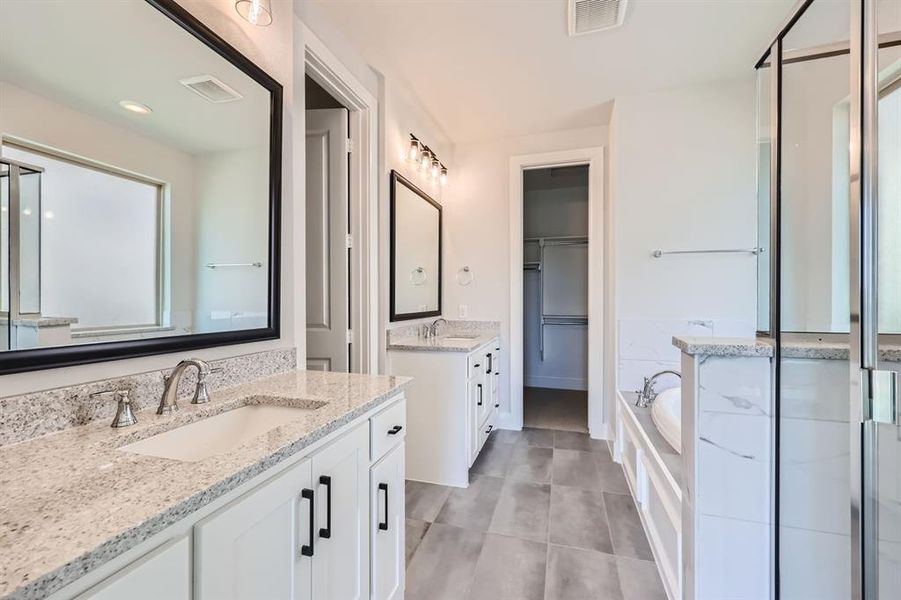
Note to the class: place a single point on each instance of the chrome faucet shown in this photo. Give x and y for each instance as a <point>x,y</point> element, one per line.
<point>124,415</point>
<point>432,330</point>
<point>168,403</point>
<point>647,394</point>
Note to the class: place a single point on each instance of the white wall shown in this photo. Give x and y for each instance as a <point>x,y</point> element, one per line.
<point>271,49</point>
<point>477,226</point>
<point>682,178</point>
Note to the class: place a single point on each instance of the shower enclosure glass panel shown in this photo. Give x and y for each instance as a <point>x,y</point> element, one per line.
<point>764,156</point>
<point>4,257</point>
<point>30,242</point>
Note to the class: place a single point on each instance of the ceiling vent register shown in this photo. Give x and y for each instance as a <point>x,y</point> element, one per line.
<point>210,88</point>
<point>589,16</point>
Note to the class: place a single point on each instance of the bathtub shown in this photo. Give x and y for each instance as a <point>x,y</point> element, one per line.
<point>666,412</point>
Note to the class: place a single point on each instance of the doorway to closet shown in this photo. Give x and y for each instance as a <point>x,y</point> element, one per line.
<point>555,297</point>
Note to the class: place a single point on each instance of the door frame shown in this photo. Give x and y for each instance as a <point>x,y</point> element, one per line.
<point>599,280</point>
<point>330,73</point>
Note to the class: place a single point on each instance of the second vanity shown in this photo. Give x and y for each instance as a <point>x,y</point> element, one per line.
<point>453,402</point>
<point>185,506</point>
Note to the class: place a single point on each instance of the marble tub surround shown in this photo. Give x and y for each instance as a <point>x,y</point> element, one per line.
<point>35,414</point>
<point>727,429</point>
<point>91,501</point>
<point>408,337</point>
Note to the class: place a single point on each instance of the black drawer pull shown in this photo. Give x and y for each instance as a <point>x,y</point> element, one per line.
<point>490,427</point>
<point>490,363</point>
<point>383,487</point>
<point>307,549</point>
<point>326,532</point>
<point>497,406</point>
<point>395,430</point>
<point>480,393</point>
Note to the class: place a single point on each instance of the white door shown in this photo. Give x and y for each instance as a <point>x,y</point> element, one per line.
<point>387,526</point>
<point>258,547</point>
<point>328,320</point>
<point>341,481</point>
<point>162,573</point>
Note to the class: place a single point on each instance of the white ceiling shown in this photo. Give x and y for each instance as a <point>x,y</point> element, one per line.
<point>90,54</point>
<point>497,68</point>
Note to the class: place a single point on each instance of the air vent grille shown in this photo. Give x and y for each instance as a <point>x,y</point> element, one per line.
<point>210,88</point>
<point>588,16</point>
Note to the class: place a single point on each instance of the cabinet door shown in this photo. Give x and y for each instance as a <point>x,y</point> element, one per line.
<point>162,573</point>
<point>252,548</point>
<point>387,553</point>
<point>473,412</point>
<point>341,481</point>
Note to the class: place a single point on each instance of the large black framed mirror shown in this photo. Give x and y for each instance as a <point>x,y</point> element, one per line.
<point>415,252</point>
<point>140,185</point>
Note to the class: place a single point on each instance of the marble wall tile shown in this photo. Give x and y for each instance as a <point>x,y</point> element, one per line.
<point>734,560</point>
<point>30,415</point>
<point>736,385</point>
<point>632,373</point>
<point>815,389</point>
<point>815,564</point>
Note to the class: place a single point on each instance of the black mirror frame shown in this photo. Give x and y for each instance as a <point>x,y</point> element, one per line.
<point>395,316</point>
<point>19,361</point>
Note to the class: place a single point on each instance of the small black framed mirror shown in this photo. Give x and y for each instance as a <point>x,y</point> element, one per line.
<point>416,224</point>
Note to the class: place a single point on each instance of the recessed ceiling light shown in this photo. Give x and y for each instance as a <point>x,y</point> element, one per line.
<point>49,214</point>
<point>135,107</point>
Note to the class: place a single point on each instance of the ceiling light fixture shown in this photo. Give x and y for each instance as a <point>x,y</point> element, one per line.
<point>426,160</point>
<point>255,12</point>
<point>135,107</point>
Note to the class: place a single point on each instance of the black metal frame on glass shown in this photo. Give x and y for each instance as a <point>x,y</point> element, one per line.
<point>17,361</point>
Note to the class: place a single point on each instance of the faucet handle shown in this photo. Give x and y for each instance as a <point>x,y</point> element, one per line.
<point>124,414</point>
<point>201,393</point>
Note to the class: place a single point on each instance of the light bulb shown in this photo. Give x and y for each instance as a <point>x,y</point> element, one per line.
<point>27,212</point>
<point>424,159</point>
<point>436,169</point>
<point>443,178</point>
<point>256,12</point>
<point>49,214</point>
<point>413,153</point>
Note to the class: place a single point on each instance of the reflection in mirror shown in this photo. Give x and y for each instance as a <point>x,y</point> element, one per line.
<point>136,179</point>
<point>415,252</point>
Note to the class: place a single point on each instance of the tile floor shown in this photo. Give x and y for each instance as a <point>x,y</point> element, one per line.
<point>555,409</point>
<point>547,516</point>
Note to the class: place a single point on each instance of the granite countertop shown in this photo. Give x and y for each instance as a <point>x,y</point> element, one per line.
<point>442,343</point>
<point>818,349</point>
<point>71,501</point>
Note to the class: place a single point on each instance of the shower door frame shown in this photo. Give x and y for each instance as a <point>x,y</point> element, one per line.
<point>863,335</point>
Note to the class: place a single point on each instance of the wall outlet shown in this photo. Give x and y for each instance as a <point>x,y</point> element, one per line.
<point>462,311</point>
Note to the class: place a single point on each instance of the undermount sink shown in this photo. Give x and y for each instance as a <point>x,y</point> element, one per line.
<point>459,338</point>
<point>223,432</point>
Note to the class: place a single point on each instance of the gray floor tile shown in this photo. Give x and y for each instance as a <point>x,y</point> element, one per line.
<point>510,569</point>
<point>522,511</point>
<point>576,574</point>
<point>626,531</point>
<point>639,579</point>
<point>576,469</point>
<point>505,436</point>
<point>574,440</point>
<point>424,500</point>
<point>529,463</point>
<point>493,459</point>
<point>444,564</point>
<point>543,438</point>
<point>472,507</point>
<point>415,530</point>
<point>578,519</point>
<point>612,478</point>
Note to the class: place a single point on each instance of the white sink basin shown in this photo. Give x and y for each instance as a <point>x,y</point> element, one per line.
<point>459,338</point>
<point>220,433</point>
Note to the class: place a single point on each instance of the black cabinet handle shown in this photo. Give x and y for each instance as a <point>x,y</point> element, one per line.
<point>497,406</point>
<point>490,361</point>
<point>383,487</point>
<point>307,549</point>
<point>490,427</point>
<point>476,366</point>
<point>326,532</point>
<point>480,393</point>
<point>395,430</point>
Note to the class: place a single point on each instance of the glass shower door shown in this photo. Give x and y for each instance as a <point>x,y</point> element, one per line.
<point>5,328</point>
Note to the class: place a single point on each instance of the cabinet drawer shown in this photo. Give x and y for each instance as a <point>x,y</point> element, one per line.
<point>383,424</point>
<point>475,365</point>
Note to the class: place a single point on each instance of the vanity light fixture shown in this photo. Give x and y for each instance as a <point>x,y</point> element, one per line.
<point>255,12</point>
<point>426,160</point>
<point>135,107</point>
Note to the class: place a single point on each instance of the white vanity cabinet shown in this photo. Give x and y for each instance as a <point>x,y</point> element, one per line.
<point>452,407</point>
<point>330,525</point>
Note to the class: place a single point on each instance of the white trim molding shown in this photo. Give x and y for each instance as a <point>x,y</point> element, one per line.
<point>597,293</point>
<point>329,72</point>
